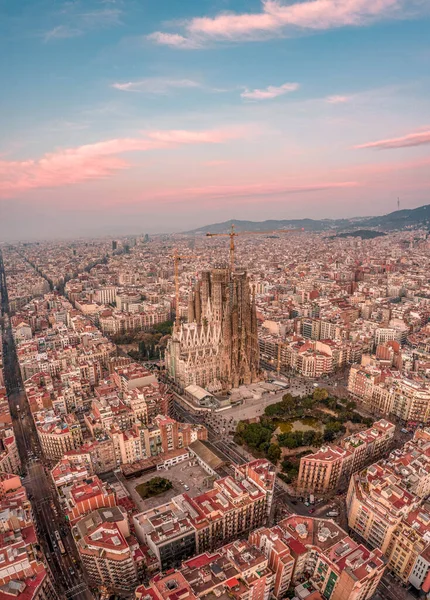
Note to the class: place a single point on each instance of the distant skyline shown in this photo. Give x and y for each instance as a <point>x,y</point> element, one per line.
<point>127,116</point>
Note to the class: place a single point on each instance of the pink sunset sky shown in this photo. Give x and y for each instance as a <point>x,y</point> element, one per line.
<point>121,124</point>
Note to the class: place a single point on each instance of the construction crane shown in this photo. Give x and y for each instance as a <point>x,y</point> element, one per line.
<point>232,234</point>
<point>176,258</point>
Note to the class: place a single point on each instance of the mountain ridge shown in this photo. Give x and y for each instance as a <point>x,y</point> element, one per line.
<point>399,219</point>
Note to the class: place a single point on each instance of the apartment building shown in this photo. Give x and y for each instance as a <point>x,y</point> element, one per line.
<point>187,525</point>
<point>168,532</point>
<point>411,401</point>
<point>67,472</point>
<point>314,555</point>
<point>23,575</point>
<point>133,376</point>
<point>9,457</point>
<point>329,467</point>
<point>281,554</point>
<point>82,497</point>
<point>387,506</point>
<point>110,554</point>
<point>321,471</point>
<point>386,392</point>
<point>113,323</point>
<point>58,433</point>
<point>101,452</point>
<point>238,570</point>
<point>164,436</point>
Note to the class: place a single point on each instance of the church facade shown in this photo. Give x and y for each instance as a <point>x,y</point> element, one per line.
<point>217,348</point>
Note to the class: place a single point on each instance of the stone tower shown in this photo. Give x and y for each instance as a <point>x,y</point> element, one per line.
<point>218,347</point>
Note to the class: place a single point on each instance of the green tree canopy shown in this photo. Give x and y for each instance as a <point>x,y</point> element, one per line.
<point>274,453</point>
<point>320,394</point>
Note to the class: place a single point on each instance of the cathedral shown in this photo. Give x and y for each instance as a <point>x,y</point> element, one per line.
<point>217,348</point>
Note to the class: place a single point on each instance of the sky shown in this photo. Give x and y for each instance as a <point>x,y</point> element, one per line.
<point>131,116</point>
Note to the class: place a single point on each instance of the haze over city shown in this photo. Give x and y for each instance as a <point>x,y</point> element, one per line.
<point>131,116</point>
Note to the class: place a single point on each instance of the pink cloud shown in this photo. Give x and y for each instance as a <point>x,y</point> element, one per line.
<point>216,136</point>
<point>270,92</point>
<point>337,99</point>
<point>173,39</point>
<point>155,85</point>
<point>96,161</point>
<point>277,18</point>
<point>412,139</point>
<point>248,190</point>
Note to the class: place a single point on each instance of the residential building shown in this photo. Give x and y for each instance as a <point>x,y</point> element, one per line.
<point>331,466</point>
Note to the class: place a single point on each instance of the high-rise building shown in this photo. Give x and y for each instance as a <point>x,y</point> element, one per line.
<point>218,348</point>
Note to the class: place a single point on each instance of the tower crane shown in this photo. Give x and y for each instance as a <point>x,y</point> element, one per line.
<point>176,258</point>
<point>233,233</point>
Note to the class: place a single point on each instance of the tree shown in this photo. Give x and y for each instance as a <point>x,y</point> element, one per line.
<point>272,410</point>
<point>320,394</point>
<point>287,464</point>
<point>274,453</point>
<point>241,427</point>
<point>164,328</point>
<point>255,435</point>
<point>308,438</point>
<point>308,403</point>
<point>332,429</point>
<point>291,440</point>
<point>288,403</point>
<point>156,485</point>
<point>290,470</point>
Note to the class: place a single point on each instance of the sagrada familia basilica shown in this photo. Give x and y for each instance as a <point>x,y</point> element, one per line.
<point>217,348</point>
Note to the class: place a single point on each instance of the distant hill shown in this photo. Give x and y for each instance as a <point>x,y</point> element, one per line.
<point>364,234</point>
<point>413,217</point>
<point>409,217</point>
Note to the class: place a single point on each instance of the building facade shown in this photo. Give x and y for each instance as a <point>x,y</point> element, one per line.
<point>218,348</point>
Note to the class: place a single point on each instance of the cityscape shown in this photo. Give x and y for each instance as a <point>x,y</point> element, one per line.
<point>183,415</point>
<point>215,300</point>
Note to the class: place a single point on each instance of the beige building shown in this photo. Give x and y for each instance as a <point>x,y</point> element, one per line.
<point>387,392</point>
<point>386,506</point>
<point>108,552</point>
<point>57,434</point>
<point>330,466</point>
<point>184,526</point>
<point>376,504</point>
<point>321,472</point>
<point>315,557</point>
<point>9,457</point>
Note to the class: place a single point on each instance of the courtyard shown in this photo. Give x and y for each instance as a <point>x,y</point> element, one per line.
<point>181,475</point>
